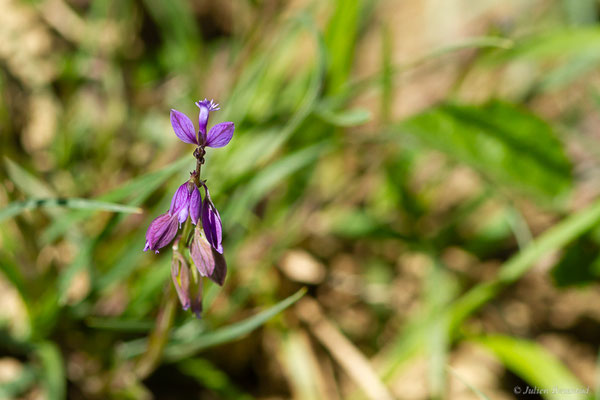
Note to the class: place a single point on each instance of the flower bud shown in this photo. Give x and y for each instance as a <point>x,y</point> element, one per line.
<point>189,290</point>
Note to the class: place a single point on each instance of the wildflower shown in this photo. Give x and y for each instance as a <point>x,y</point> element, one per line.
<point>218,136</point>
<point>211,222</point>
<point>186,201</point>
<point>205,248</point>
<point>161,232</point>
<point>207,260</point>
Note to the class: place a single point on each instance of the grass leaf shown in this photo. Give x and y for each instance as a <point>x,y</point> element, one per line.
<point>18,207</point>
<point>499,140</point>
<point>535,365</point>
<point>53,372</point>
<point>178,351</point>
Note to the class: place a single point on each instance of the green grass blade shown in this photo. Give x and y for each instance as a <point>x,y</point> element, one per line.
<point>439,289</point>
<point>175,352</point>
<point>535,365</point>
<point>564,43</point>
<point>581,12</point>
<point>18,207</point>
<point>341,35</point>
<point>137,189</point>
<point>25,181</point>
<point>500,140</point>
<point>120,324</point>
<point>53,372</point>
<point>346,118</point>
<point>555,238</point>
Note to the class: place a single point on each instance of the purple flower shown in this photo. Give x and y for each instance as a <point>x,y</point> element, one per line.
<point>205,107</point>
<point>211,222</point>
<point>180,204</point>
<point>186,201</point>
<point>161,232</point>
<point>206,248</point>
<point>207,260</point>
<point>195,205</point>
<point>218,136</point>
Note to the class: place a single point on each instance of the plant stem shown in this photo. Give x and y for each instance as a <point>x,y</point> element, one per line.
<point>159,336</point>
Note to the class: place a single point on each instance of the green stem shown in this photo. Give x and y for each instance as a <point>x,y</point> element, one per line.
<point>150,360</point>
<point>157,340</point>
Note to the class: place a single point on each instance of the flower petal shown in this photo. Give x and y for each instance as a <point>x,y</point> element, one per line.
<point>220,271</point>
<point>195,205</point>
<point>206,259</point>
<point>202,254</point>
<point>220,134</point>
<point>161,232</point>
<point>211,222</point>
<point>203,117</point>
<point>181,202</point>
<point>205,107</point>
<point>183,127</point>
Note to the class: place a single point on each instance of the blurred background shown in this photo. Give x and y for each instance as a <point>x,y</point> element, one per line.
<point>409,200</point>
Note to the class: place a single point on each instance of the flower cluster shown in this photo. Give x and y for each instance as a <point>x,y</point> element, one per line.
<point>205,240</point>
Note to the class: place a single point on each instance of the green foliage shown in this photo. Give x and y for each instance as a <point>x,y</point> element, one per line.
<point>534,364</point>
<point>18,207</point>
<point>52,370</point>
<point>189,344</point>
<point>508,145</point>
<point>579,265</point>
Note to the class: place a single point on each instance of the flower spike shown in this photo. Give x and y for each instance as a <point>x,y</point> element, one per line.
<point>205,247</point>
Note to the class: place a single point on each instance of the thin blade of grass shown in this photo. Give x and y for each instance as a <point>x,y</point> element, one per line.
<point>25,181</point>
<point>15,208</point>
<point>229,333</point>
<point>178,351</point>
<point>342,31</point>
<point>53,372</point>
<point>534,364</point>
<point>347,118</point>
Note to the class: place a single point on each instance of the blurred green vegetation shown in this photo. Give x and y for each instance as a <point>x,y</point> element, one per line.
<point>410,200</point>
